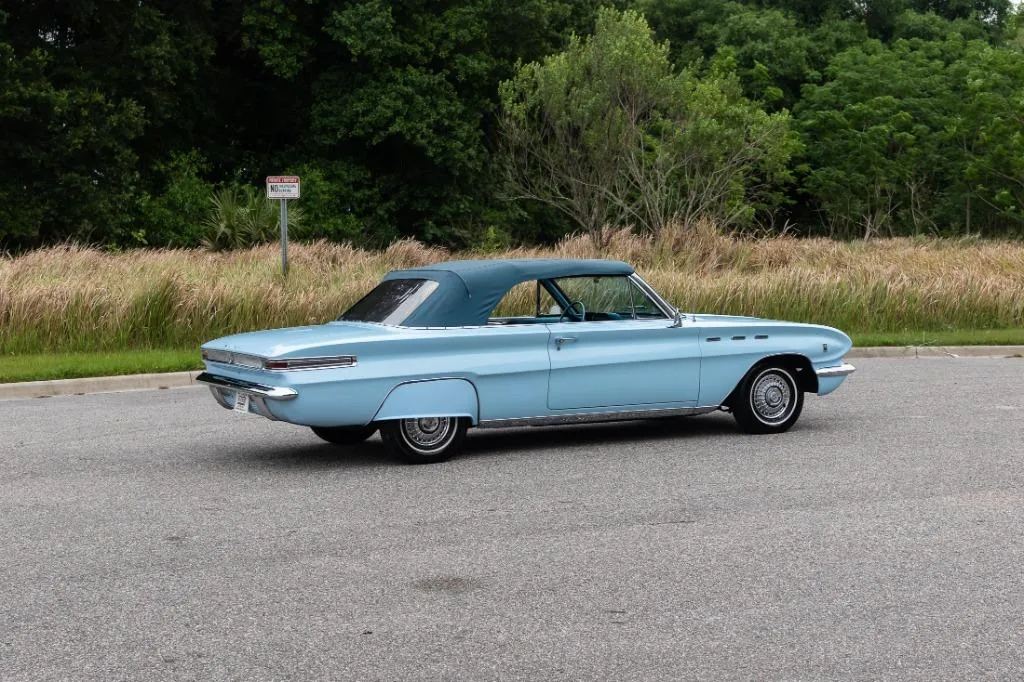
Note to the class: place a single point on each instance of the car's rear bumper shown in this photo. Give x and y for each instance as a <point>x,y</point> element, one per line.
<point>254,389</point>
<point>225,390</point>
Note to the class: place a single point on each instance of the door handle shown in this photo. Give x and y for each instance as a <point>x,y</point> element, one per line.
<point>559,340</point>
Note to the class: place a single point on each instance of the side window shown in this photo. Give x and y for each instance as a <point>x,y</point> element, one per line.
<point>524,303</point>
<point>644,306</point>
<point>607,298</point>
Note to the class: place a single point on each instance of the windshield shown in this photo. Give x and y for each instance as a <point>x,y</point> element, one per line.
<point>391,301</point>
<point>607,298</point>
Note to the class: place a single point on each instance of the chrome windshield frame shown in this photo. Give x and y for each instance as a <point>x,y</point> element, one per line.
<point>667,308</point>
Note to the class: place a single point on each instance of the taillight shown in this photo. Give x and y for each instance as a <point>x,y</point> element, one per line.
<point>276,364</point>
<point>310,363</point>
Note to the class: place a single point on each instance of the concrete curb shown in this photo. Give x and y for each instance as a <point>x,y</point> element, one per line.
<point>137,382</point>
<point>937,352</point>
<point>128,382</point>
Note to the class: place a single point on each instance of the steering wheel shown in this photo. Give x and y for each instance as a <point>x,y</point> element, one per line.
<point>571,312</point>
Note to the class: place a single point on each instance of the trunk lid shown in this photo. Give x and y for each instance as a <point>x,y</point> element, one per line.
<point>310,341</point>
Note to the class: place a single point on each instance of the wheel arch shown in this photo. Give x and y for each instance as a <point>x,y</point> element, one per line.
<point>800,365</point>
<point>445,397</point>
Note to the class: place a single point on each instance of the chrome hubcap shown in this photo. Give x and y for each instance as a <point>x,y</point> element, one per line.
<point>771,397</point>
<point>428,433</point>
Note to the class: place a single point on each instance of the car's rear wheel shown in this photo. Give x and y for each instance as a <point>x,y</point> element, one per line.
<point>345,435</point>
<point>769,400</point>
<point>425,439</point>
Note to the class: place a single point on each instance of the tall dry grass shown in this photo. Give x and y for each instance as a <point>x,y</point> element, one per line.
<point>72,298</point>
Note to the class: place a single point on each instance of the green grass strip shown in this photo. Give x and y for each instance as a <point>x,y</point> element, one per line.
<point>954,337</point>
<point>75,365</point>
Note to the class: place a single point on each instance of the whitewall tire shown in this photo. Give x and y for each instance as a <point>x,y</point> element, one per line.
<point>425,439</point>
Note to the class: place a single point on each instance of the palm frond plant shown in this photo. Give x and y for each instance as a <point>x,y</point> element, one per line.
<point>242,216</point>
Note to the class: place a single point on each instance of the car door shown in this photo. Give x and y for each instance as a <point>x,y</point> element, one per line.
<point>615,348</point>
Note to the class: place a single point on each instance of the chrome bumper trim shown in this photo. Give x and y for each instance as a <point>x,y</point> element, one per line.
<point>840,371</point>
<point>591,417</point>
<point>221,396</point>
<point>258,390</point>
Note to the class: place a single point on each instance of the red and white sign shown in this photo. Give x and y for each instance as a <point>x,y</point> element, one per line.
<point>282,186</point>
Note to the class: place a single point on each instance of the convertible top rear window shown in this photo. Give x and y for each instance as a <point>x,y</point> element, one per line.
<point>391,302</point>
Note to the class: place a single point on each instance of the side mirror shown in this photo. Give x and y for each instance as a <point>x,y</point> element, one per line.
<point>677,321</point>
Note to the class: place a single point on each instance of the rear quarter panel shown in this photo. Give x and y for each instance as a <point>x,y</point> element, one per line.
<point>507,365</point>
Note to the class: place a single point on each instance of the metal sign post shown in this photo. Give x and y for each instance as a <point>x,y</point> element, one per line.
<point>283,187</point>
<point>284,236</point>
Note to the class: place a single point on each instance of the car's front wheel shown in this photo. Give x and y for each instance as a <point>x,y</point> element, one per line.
<point>769,400</point>
<point>425,439</point>
<point>345,435</point>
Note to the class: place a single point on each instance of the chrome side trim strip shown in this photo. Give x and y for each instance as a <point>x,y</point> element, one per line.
<point>840,371</point>
<point>592,417</point>
<point>258,390</point>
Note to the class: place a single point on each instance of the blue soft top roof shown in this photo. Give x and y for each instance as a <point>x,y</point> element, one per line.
<point>468,290</point>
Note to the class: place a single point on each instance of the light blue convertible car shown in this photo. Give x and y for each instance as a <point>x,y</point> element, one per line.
<point>435,350</point>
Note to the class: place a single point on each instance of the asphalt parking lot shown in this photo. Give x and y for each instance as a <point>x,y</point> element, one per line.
<point>153,535</point>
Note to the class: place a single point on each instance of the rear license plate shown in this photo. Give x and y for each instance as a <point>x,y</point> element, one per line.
<point>242,402</point>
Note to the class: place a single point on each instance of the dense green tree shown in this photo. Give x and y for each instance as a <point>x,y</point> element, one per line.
<point>774,51</point>
<point>609,132</point>
<point>402,99</point>
<point>119,119</point>
<point>67,166</point>
<point>988,127</point>
<point>95,93</point>
<point>922,136</point>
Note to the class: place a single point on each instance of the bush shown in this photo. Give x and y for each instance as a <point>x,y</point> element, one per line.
<point>175,218</point>
<point>327,209</point>
<point>241,216</point>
